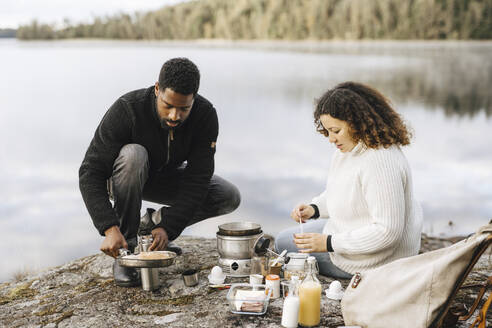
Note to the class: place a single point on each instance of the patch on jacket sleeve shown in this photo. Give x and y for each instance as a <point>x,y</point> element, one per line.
<point>212,145</point>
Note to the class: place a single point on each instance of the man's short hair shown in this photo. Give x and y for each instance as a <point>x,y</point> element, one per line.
<point>180,75</point>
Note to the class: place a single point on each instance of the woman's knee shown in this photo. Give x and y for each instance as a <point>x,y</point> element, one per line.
<point>285,240</point>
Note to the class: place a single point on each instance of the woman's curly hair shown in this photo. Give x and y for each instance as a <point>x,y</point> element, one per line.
<point>368,113</point>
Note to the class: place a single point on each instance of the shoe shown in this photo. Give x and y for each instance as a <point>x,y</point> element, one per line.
<point>172,247</point>
<point>125,276</point>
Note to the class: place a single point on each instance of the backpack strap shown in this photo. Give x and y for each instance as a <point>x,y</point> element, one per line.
<point>481,319</point>
<point>477,301</point>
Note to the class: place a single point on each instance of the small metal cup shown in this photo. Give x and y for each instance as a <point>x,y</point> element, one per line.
<point>190,277</point>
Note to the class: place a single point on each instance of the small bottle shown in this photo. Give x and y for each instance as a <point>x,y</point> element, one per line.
<point>290,311</point>
<point>272,282</point>
<point>310,296</point>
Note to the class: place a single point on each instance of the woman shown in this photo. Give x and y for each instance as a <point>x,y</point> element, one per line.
<point>372,216</point>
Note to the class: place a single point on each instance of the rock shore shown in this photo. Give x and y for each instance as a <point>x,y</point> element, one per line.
<point>82,293</point>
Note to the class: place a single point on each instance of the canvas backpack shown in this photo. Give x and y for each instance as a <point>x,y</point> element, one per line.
<point>417,291</point>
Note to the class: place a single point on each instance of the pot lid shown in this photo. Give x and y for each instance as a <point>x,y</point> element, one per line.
<point>239,229</point>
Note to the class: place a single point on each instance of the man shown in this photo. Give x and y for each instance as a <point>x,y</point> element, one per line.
<point>156,144</point>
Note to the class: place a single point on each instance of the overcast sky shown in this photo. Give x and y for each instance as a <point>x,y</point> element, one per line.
<point>17,12</point>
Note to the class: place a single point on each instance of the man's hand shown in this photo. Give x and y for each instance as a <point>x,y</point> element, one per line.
<point>310,242</point>
<point>113,242</point>
<point>302,212</point>
<point>160,239</point>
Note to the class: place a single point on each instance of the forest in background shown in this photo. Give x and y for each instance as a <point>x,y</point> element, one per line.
<point>287,20</point>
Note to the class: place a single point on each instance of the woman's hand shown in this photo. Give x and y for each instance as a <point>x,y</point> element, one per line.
<point>302,212</point>
<point>310,242</point>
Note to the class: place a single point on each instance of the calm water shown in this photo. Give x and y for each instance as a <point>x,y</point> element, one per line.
<point>53,94</point>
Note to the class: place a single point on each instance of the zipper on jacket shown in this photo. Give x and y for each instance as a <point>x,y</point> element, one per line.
<point>170,137</point>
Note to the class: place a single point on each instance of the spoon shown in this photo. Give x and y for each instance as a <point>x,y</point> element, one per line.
<point>279,257</point>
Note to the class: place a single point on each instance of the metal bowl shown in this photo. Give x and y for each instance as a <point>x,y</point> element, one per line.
<point>136,262</point>
<point>239,229</point>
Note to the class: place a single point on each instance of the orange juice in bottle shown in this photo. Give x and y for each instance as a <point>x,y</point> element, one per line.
<point>310,297</point>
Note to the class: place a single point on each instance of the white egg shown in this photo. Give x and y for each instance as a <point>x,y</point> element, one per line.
<point>335,287</point>
<point>216,272</point>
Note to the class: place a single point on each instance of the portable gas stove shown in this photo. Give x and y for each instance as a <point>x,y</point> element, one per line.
<point>235,244</point>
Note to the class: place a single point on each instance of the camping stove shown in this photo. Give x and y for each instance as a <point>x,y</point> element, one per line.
<point>235,268</point>
<point>235,244</point>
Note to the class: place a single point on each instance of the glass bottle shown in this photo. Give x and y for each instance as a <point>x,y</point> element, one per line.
<point>310,296</point>
<point>290,310</point>
<point>257,264</point>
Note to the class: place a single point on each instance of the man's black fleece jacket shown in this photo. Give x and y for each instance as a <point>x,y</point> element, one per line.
<point>133,119</point>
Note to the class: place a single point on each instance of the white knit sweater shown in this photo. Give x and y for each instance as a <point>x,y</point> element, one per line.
<point>373,216</point>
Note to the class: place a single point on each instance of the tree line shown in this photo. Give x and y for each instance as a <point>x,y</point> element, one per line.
<point>287,20</point>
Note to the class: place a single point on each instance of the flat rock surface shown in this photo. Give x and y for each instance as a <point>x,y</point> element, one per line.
<point>82,293</point>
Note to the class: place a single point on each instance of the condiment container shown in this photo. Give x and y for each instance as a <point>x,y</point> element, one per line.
<point>255,279</point>
<point>297,261</point>
<point>272,282</point>
<point>310,297</point>
<point>296,265</point>
<point>288,274</point>
<point>290,310</point>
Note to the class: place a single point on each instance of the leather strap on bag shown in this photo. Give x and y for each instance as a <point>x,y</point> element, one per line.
<point>481,319</point>
<point>477,301</point>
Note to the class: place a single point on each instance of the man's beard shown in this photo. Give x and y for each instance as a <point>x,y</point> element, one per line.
<point>165,126</point>
<point>163,121</point>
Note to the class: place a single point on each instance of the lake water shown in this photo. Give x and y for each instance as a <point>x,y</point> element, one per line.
<point>53,95</point>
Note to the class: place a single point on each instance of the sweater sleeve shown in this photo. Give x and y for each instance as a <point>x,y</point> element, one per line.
<point>194,185</point>
<point>320,202</point>
<point>383,182</point>
<point>113,132</point>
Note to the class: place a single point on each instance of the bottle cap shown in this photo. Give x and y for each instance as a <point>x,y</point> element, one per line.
<point>272,277</point>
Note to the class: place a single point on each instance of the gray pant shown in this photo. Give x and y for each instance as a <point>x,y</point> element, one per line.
<point>285,240</point>
<point>130,184</point>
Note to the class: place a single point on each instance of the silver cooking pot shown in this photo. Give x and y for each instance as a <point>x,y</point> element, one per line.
<point>236,240</point>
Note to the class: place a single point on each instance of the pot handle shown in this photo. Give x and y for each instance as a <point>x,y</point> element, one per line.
<point>261,245</point>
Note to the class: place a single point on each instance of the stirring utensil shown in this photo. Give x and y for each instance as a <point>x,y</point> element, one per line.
<point>300,219</point>
<point>279,257</point>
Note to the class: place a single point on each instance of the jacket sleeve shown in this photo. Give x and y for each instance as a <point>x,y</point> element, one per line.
<point>113,132</point>
<point>383,184</point>
<point>195,182</point>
